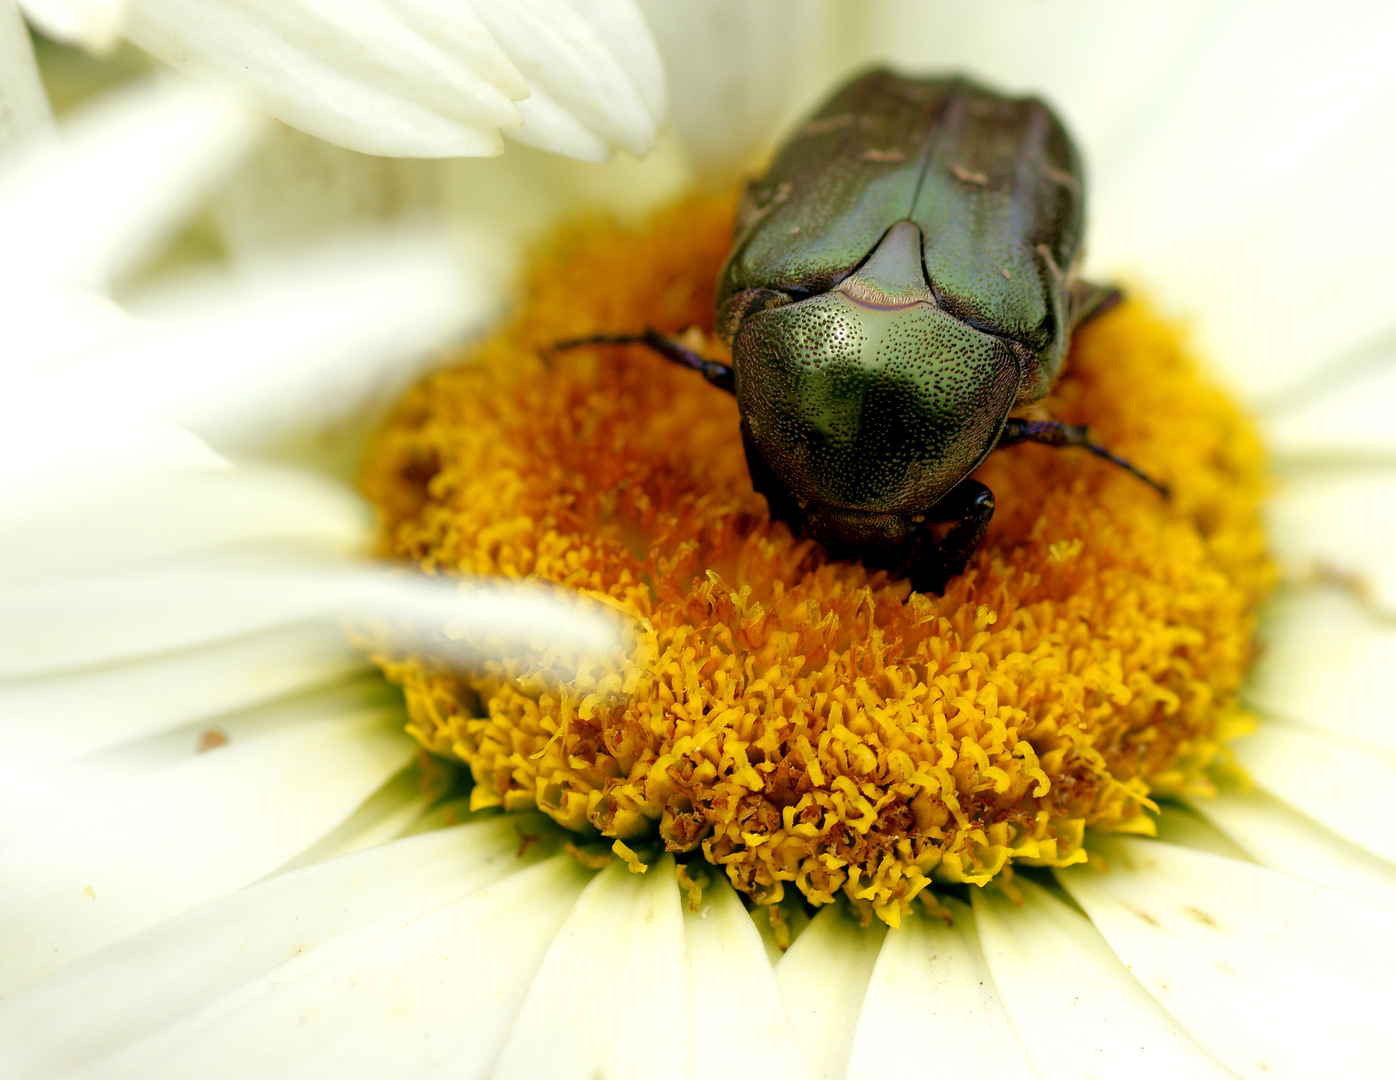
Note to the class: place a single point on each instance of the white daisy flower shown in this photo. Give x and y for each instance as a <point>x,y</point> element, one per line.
<point>216,854</point>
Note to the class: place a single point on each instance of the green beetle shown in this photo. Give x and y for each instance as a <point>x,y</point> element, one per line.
<point>901,279</point>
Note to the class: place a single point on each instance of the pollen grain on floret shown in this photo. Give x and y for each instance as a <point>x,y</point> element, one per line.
<point>802,723</point>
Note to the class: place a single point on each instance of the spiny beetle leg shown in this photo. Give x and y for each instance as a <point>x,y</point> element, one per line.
<point>719,374</point>
<point>970,505</point>
<point>1055,433</point>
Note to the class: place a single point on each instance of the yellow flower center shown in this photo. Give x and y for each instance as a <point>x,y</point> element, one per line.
<point>798,721</point>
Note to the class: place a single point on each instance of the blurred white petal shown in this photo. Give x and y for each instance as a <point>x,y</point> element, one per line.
<point>151,516</point>
<point>24,109</point>
<point>1076,1008</point>
<point>108,706</point>
<point>93,444</point>
<point>296,343</point>
<point>625,931</point>
<point>594,60</point>
<point>94,24</point>
<point>1339,520</point>
<point>426,78</point>
<point>1275,976</point>
<point>83,620</point>
<point>1328,664</point>
<point>823,978</point>
<point>931,987</point>
<point>224,960</point>
<point>737,69</point>
<point>548,126</point>
<point>119,181</point>
<point>1260,179</point>
<point>422,79</point>
<point>182,836</point>
<point>1344,413</point>
<point>733,1000</point>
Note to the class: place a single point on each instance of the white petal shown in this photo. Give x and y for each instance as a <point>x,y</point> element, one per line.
<point>609,999</point>
<point>548,126</point>
<point>1237,143</point>
<point>1343,413</point>
<point>737,70</point>
<point>93,24</point>
<point>1284,840</point>
<point>931,998</point>
<point>1327,664</point>
<point>421,80</point>
<point>295,344</point>
<point>626,35</point>
<point>164,991</point>
<point>1175,825</point>
<point>24,109</point>
<point>824,977</point>
<point>125,174</point>
<point>1341,520</point>
<point>97,709</point>
<point>154,516</point>
<point>1078,1011</point>
<point>1275,976</point>
<point>384,816</point>
<point>84,620</point>
<point>45,324</point>
<point>1339,783</point>
<point>737,1022</point>
<point>183,836</point>
<point>436,996</point>
<point>573,55</point>
<point>96,446</point>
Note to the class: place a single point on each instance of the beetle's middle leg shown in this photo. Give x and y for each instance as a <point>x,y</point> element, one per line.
<point>717,373</point>
<point>1055,433</point>
<point>970,505</point>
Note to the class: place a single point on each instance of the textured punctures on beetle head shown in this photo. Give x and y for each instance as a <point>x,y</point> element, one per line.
<point>809,727</point>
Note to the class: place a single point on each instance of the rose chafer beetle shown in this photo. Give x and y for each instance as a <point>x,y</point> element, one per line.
<point>901,280</point>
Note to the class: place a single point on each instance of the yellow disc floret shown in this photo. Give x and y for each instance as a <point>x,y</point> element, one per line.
<point>793,720</point>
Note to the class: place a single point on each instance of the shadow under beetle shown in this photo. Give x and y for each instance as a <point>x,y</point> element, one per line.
<point>901,279</point>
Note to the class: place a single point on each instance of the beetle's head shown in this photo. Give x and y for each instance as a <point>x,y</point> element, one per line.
<point>870,397</point>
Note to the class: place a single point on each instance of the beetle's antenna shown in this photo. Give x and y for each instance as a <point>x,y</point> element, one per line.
<point>1055,433</point>
<point>1100,452</point>
<point>719,374</point>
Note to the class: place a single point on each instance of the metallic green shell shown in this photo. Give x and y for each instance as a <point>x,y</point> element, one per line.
<point>898,283</point>
<point>994,183</point>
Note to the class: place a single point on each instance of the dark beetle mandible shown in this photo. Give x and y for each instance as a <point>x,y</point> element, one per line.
<point>901,280</point>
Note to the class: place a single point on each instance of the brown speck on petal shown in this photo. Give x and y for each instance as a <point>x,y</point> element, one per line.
<point>211,739</point>
<point>1198,915</point>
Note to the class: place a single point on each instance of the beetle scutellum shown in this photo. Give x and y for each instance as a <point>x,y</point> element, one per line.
<point>901,280</point>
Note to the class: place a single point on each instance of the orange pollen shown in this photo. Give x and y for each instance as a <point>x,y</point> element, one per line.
<point>794,720</point>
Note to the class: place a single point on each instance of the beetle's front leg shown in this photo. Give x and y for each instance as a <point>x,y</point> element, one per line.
<point>717,373</point>
<point>970,505</point>
<point>1055,433</point>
